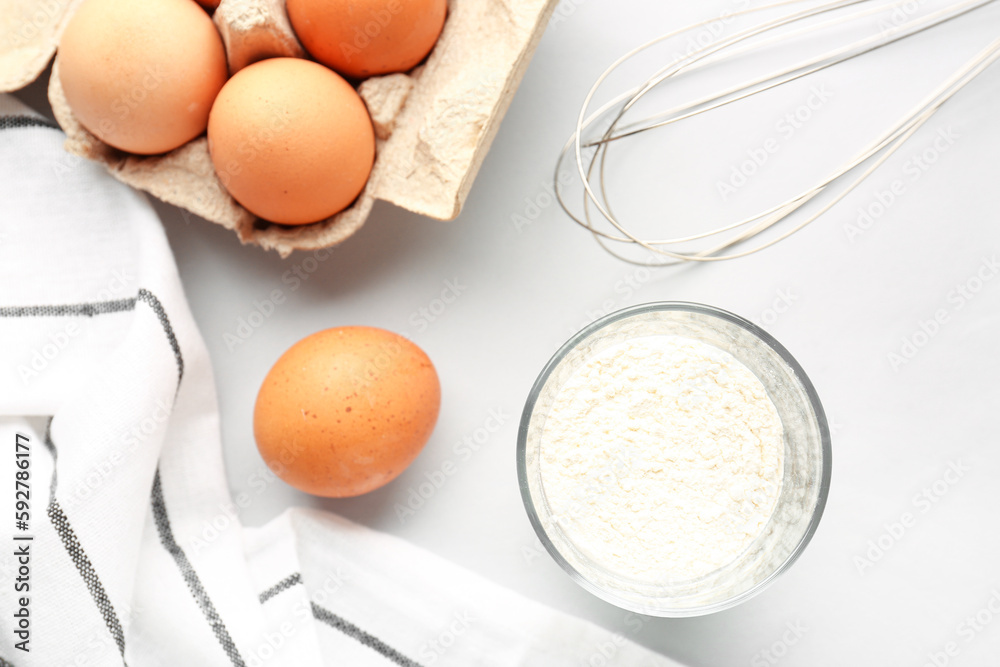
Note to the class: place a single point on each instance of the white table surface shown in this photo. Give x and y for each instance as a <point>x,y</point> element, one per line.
<point>896,431</point>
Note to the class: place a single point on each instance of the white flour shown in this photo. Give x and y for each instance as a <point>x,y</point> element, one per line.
<point>661,458</point>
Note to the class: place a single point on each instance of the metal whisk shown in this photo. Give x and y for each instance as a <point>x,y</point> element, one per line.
<point>724,238</point>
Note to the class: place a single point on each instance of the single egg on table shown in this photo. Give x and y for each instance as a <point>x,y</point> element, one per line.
<point>291,140</point>
<point>142,76</point>
<point>346,410</point>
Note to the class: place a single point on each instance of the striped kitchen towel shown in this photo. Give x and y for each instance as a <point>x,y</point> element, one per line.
<point>111,467</point>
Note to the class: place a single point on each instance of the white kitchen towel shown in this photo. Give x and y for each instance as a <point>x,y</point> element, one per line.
<point>130,551</point>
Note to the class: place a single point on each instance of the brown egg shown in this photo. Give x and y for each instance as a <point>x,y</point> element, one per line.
<point>291,140</point>
<point>142,76</point>
<point>362,38</point>
<point>346,410</point>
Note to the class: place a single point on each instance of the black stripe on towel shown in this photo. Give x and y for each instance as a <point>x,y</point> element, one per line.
<point>190,576</point>
<point>85,309</point>
<point>52,450</point>
<point>282,585</point>
<point>11,122</point>
<point>79,557</point>
<point>354,632</point>
<point>5,663</point>
<point>101,307</point>
<point>61,523</point>
<point>86,570</point>
<point>154,303</point>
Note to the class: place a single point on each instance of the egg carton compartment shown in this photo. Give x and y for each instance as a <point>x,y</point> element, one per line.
<point>433,125</point>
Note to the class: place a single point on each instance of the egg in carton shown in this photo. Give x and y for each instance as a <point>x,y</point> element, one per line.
<point>433,125</point>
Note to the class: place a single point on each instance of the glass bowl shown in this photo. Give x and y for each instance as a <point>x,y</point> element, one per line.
<point>806,464</point>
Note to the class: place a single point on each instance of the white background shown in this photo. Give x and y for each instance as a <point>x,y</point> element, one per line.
<point>524,290</point>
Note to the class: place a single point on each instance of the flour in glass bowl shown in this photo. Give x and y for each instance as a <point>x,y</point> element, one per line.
<point>661,458</point>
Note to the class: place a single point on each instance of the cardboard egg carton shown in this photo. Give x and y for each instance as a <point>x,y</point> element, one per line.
<point>433,125</point>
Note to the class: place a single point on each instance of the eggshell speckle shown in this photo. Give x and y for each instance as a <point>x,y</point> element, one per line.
<point>346,410</point>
